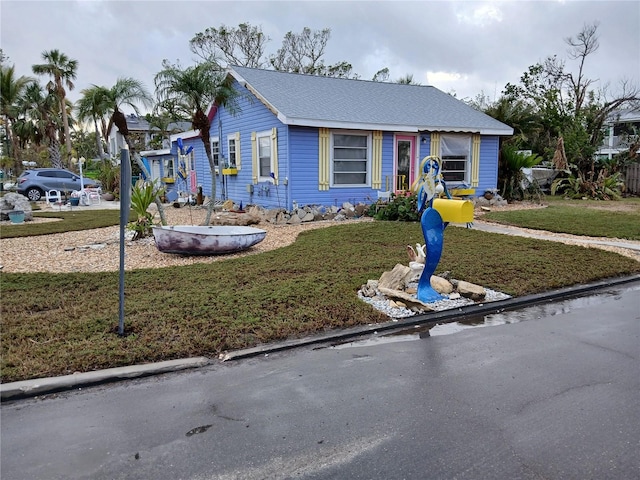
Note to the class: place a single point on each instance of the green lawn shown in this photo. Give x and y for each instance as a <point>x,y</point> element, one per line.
<point>577,218</point>
<point>56,324</point>
<point>71,222</point>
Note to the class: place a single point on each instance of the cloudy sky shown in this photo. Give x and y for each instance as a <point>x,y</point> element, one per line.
<point>461,47</point>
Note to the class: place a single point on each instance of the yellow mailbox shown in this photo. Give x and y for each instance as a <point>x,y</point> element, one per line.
<point>454,211</point>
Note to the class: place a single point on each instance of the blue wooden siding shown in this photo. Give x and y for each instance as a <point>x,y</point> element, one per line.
<point>298,161</point>
<point>304,144</point>
<point>252,116</point>
<point>489,146</point>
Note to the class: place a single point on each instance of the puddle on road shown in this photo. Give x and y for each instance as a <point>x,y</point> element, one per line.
<point>489,320</point>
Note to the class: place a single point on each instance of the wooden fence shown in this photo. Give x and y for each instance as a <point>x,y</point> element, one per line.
<point>632,179</point>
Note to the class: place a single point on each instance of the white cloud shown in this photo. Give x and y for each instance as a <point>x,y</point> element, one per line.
<point>481,15</point>
<point>464,46</point>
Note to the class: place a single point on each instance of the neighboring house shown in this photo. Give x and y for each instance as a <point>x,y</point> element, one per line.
<point>141,134</point>
<point>308,140</point>
<point>622,129</point>
<point>160,163</point>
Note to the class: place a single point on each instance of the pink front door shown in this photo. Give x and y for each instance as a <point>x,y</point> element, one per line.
<point>404,162</point>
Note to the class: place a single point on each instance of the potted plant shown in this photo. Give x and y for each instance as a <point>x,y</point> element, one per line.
<point>16,216</point>
<point>75,198</point>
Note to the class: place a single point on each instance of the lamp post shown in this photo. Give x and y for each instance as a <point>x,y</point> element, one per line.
<point>81,160</point>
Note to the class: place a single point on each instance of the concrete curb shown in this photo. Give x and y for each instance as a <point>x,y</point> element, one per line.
<point>31,388</point>
<point>432,317</point>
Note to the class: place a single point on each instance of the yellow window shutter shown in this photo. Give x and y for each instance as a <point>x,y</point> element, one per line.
<point>254,158</point>
<point>475,161</point>
<point>323,159</point>
<point>238,163</point>
<point>435,144</point>
<point>274,154</point>
<point>376,161</point>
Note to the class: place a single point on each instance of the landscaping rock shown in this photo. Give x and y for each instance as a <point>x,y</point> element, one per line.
<point>395,279</point>
<point>441,285</point>
<point>408,301</point>
<point>15,201</point>
<point>471,290</point>
<point>233,218</point>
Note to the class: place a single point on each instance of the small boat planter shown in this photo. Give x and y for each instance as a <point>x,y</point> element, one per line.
<point>206,240</point>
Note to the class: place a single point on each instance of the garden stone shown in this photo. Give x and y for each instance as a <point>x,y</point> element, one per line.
<point>308,217</point>
<point>370,289</point>
<point>15,201</point>
<point>294,220</point>
<point>395,279</point>
<point>441,285</point>
<point>361,210</point>
<point>471,290</point>
<point>408,300</point>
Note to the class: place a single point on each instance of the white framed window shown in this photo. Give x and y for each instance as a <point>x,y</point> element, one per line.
<point>455,153</point>
<point>350,159</point>
<point>233,149</point>
<point>169,168</point>
<point>215,151</point>
<point>265,155</point>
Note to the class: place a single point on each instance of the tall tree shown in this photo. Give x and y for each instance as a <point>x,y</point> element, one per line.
<point>130,92</point>
<point>245,46</point>
<point>407,80</point>
<point>242,45</point>
<point>11,90</point>
<point>196,89</point>
<point>381,75</point>
<point>162,123</point>
<point>94,105</point>
<point>63,71</point>
<point>567,103</point>
<point>40,120</point>
<point>302,53</point>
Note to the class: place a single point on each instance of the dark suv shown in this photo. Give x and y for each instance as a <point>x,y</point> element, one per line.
<point>33,183</point>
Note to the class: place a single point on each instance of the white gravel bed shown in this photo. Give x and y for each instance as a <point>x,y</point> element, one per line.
<point>381,304</point>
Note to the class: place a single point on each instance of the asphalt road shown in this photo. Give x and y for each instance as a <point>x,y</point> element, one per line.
<point>548,392</point>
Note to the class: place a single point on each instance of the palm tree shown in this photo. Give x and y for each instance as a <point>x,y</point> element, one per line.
<point>63,70</point>
<point>520,116</point>
<point>131,92</point>
<point>196,89</point>
<point>40,120</point>
<point>407,80</point>
<point>94,105</point>
<point>11,90</point>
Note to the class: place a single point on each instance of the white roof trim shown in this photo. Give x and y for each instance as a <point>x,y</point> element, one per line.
<point>165,151</point>
<point>184,135</point>
<point>305,122</point>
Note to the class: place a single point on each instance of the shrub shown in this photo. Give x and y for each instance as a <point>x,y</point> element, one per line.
<point>400,207</point>
<point>601,186</point>
<point>109,176</point>
<point>513,181</point>
<point>142,195</point>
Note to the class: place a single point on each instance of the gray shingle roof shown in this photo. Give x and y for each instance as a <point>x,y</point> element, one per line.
<point>340,103</point>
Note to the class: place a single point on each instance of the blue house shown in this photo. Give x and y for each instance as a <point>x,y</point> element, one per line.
<point>300,140</point>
